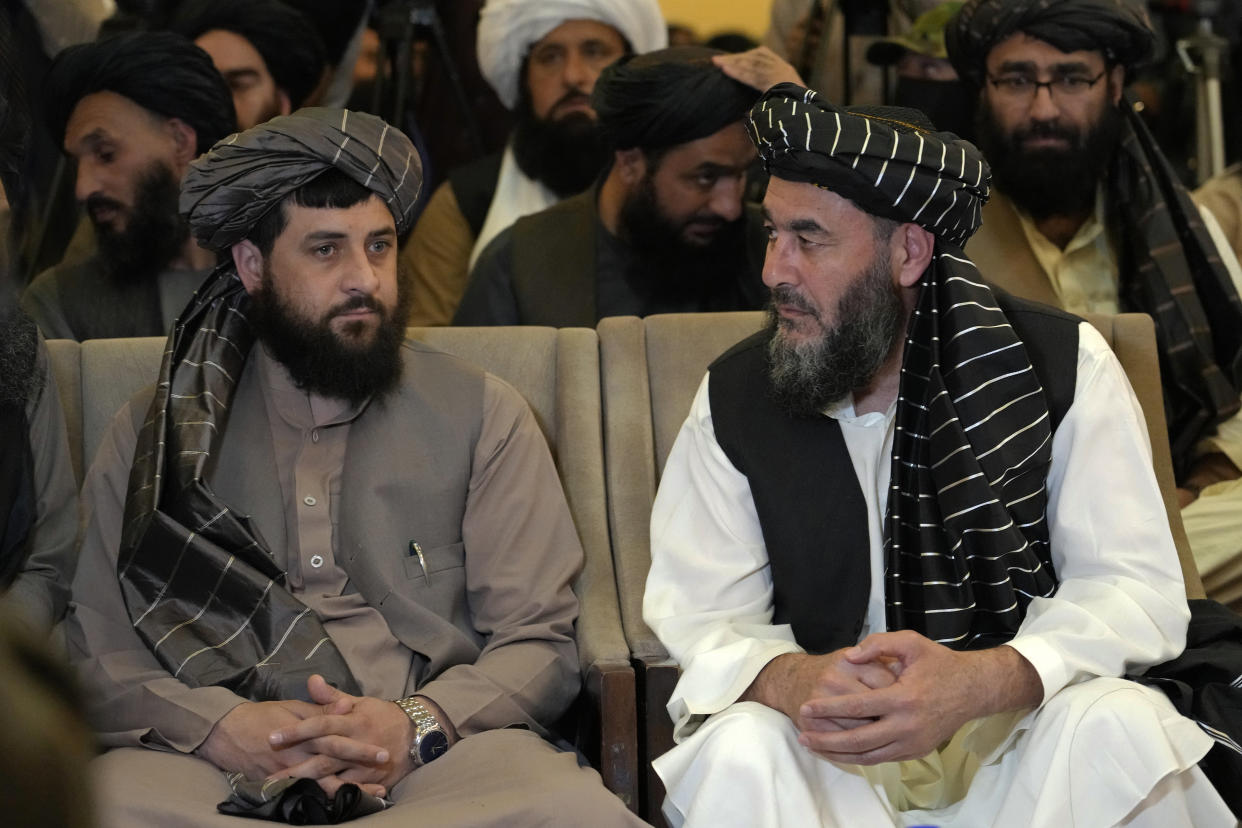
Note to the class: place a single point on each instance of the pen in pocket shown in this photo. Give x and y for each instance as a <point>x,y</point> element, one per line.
<point>415,549</point>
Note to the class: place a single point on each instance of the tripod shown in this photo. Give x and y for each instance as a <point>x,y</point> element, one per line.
<point>396,22</point>
<point>1209,128</point>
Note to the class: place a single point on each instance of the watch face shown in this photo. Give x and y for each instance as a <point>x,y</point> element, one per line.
<point>432,745</point>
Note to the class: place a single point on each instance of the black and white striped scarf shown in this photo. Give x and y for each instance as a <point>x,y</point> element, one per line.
<point>965,533</point>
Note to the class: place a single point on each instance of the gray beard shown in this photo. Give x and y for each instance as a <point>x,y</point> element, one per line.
<point>811,375</point>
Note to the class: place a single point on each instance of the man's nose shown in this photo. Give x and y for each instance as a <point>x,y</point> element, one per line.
<point>726,198</point>
<point>1043,106</point>
<point>578,73</point>
<point>359,276</point>
<point>86,184</point>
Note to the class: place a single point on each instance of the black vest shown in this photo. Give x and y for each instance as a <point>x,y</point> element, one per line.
<point>810,505</point>
<point>554,265</point>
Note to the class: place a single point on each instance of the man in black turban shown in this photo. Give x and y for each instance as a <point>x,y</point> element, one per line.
<point>880,549</point>
<point>132,111</point>
<point>1090,217</point>
<point>269,53</point>
<point>665,230</point>
<point>310,518</point>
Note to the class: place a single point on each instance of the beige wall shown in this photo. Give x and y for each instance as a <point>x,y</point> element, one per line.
<point>709,17</point>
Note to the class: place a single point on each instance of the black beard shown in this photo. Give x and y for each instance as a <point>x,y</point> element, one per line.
<point>672,270</point>
<point>809,376</point>
<point>1043,182</point>
<point>317,359</point>
<point>154,231</point>
<point>564,155</point>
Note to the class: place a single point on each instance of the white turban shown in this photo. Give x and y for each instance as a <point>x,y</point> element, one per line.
<point>508,28</point>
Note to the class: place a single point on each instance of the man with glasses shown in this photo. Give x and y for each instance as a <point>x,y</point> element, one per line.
<point>1087,215</point>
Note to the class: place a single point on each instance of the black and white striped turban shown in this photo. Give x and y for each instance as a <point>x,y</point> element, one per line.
<point>232,186</point>
<point>1121,29</point>
<point>887,160</point>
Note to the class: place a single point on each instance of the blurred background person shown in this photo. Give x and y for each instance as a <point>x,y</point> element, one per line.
<point>268,52</point>
<point>543,59</point>
<point>132,111</point>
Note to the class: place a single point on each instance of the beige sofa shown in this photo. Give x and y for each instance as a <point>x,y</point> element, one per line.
<point>610,403</point>
<point>557,371</point>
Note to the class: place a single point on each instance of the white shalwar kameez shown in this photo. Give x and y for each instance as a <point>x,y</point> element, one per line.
<point>1098,751</point>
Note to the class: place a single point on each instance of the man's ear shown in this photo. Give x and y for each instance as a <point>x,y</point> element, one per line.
<point>913,248</point>
<point>249,262</point>
<point>284,104</point>
<point>185,140</point>
<point>1116,82</point>
<point>631,166</point>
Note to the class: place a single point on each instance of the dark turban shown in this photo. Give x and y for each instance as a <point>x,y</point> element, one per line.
<point>289,45</point>
<point>1120,29</point>
<point>160,71</point>
<point>667,97</point>
<point>887,160</point>
<point>228,190</point>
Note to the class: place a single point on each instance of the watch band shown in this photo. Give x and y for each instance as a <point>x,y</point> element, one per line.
<point>430,738</point>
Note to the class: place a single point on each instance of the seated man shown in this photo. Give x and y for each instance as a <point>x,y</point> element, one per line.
<point>909,536</point>
<point>132,111</point>
<point>38,493</point>
<point>372,520</point>
<point>665,231</point>
<point>1088,216</point>
<point>542,59</point>
<point>269,54</point>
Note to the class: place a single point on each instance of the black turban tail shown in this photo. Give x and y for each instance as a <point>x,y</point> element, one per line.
<point>201,586</point>
<point>667,97</point>
<point>159,71</point>
<point>960,565</point>
<point>1120,29</point>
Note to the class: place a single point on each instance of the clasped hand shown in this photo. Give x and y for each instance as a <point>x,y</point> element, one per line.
<point>896,696</point>
<point>335,740</point>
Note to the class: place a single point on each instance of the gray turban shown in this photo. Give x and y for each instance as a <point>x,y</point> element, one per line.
<point>1120,29</point>
<point>887,160</point>
<point>227,190</point>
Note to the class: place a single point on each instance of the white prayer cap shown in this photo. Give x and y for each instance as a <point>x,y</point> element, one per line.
<point>508,28</point>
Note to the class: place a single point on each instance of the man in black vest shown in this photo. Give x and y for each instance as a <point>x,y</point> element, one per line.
<point>666,230</point>
<point>909,537</point>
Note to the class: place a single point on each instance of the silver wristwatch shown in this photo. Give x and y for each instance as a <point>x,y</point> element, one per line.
<point>430,740</point>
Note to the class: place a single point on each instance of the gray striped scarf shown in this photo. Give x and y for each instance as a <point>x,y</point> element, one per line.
<point>202,588</point>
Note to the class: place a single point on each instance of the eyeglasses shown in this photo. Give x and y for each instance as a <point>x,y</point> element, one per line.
<point>1024,88</point>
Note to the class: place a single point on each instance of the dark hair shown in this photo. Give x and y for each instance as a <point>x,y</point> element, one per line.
<point>290,46</point>
<point>331,189</point>
<point>160,71</point>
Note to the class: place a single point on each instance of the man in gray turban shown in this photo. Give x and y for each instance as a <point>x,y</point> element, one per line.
<point>665,230</point>
<point>880,549</point>
<point>370,605</point>
<point>1089,216</point>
